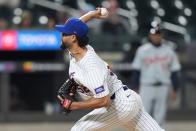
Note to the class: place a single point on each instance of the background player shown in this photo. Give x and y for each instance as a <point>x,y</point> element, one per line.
<point>114,104</point>
<point>156,66</point>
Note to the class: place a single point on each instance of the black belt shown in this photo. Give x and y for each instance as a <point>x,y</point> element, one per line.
<point>157,84</point>
<point>113,96</point>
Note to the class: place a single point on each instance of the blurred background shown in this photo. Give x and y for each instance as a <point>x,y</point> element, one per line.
<point>32,67</point>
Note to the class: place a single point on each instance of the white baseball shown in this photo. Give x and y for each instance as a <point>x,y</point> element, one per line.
<point>104,12</point>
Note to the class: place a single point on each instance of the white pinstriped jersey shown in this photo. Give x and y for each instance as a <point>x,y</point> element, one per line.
<point>93,76</point>
<point>97,80</point>
<point>155,63</point>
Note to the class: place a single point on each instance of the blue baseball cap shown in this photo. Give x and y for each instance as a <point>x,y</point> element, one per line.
<point>73,26</point>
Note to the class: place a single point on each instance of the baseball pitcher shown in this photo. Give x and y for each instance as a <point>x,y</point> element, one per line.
<point>114,104</point>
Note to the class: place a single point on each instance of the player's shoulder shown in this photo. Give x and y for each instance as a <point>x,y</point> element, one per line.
<point>93,60</point>
<point>145,47</point>
<point>167,48</point>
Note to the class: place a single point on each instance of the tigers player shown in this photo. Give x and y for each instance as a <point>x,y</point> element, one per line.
<point>114,104</point>
<point>155,69</point>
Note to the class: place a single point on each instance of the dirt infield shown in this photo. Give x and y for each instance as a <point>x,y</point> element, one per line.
<point>171,126</point>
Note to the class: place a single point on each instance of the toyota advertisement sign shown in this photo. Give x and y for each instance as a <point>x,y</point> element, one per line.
<point>22,40</point>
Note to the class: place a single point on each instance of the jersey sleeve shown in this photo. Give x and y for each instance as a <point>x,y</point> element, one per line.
<point>95,82</point>
<point>175,65</point>
<point>137,62</point>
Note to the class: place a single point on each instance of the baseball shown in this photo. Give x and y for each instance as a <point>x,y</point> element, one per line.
<point>104,12</point>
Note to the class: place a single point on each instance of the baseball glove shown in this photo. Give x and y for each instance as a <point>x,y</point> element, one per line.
<point>66,94</point>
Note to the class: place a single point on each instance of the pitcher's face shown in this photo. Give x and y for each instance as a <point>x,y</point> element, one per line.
<point>67,41</point>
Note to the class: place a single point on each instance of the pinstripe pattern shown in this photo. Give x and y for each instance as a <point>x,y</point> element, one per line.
<point>91,72</point>
<point>144,122</point>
